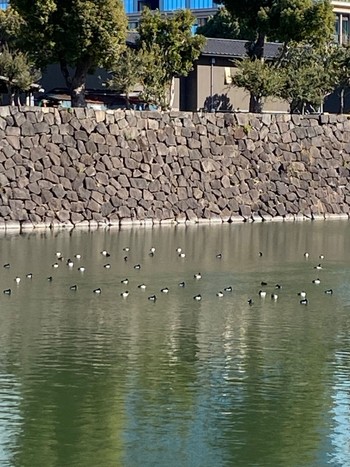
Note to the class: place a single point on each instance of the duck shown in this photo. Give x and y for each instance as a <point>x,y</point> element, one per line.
<point>137,266</point>
<point>125,294</point>
<point>105,253</point>
<point>319,266</point>
<point>17,280</point>
<point>197,297</point>
<point>125,258</point>
<point>321,256</point>
<point>262,293</point>
<point>29,275</point>
<point>58,254</point>
<point>7,265</point>
<point>152,298</point>
<point>70,263</point>
<point>304,301</point>
<point>73,287</point>
<point>126,248</point>
<point>182,284</point>
<point>302,294</point>
<point>328,291</point>
<point>7,291</point>
<point>306,254</point>
<point>98,290</point>
<point>228,289</point>
<point>55,265</point>
<point>220,294</point>
<point>182,255</point>
<point>81,269</point>
<point>125,281</point>
<point>49,279</point>
<point>260,254</point>
<point>178,250</point>
<point>198,276</point>
<point>164,290</point>
<point>142,286</point>
<point>219,256</point>
<point>316,281</point>
<point>278,286</point>
<point>250,301</point>
<point>107,266</point>
<point>263,283</point>
<point>274,296</point>
<point>77,256</point>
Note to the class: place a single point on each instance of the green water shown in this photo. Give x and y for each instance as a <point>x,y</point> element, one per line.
<point>92,379</point>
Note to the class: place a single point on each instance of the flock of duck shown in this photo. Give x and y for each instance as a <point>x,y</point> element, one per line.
<point>70,263</point>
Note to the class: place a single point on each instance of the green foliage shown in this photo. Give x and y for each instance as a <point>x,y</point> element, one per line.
<point>259,78</point>
<point>223,25</point>
<point>169,50</point>
<point>287,21</point>
<point>17,72</point>
<point>82,34</point>
<point>126,72</point>
<point>155,80</point>
<point>10,25</point>
<point>309,74</point>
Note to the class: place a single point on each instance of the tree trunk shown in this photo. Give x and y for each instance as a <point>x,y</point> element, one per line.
<point>172,93</point>
<point>256,50</point>
<point>77,90</point>
<point>341,103</point>
<point>255,104</point>
<point>77,83</point>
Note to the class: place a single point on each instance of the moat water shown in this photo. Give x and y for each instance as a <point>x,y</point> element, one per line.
<point>91,379</point>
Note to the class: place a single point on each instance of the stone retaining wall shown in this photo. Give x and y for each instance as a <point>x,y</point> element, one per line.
<point>84,167</point>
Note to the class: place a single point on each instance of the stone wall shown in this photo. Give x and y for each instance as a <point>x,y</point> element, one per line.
<point>85,167</point>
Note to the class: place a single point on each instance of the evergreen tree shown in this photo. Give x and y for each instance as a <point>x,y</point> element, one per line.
<point>80,35</point>
<point>306,21</point>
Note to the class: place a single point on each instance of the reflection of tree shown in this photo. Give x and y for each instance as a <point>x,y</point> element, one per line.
<point>218,102</point>
<point>161,402</point>
<point>274,406</point>
<point>72,407</point>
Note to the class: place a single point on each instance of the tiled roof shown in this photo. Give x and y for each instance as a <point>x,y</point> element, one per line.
<point>228,48</point>
<point>232,48</point>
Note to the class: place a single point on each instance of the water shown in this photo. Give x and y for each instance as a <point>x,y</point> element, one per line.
<point>88,379</point>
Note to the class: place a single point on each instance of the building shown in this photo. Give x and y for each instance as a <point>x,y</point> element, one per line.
<point>201,9</point>
<point>342,26</point>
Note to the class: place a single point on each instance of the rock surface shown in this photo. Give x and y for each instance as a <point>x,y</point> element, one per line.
<point>79,166</point>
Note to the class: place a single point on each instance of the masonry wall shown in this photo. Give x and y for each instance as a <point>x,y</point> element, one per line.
<point>85,167</point>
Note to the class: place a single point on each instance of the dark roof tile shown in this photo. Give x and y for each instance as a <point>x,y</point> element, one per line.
<point>229,48</point>
<point>235,48</point>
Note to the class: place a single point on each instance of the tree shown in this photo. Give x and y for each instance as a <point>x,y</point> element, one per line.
<point>224,25</point>
<point>77,34</point>
<point>18,73</point>
<point>259,78</point>
<point>285,21</point>
<point>341,70</point>
<point>309,74</point>
<point>10,25</point>
<point>169,49</point>
<point>126,72</point>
